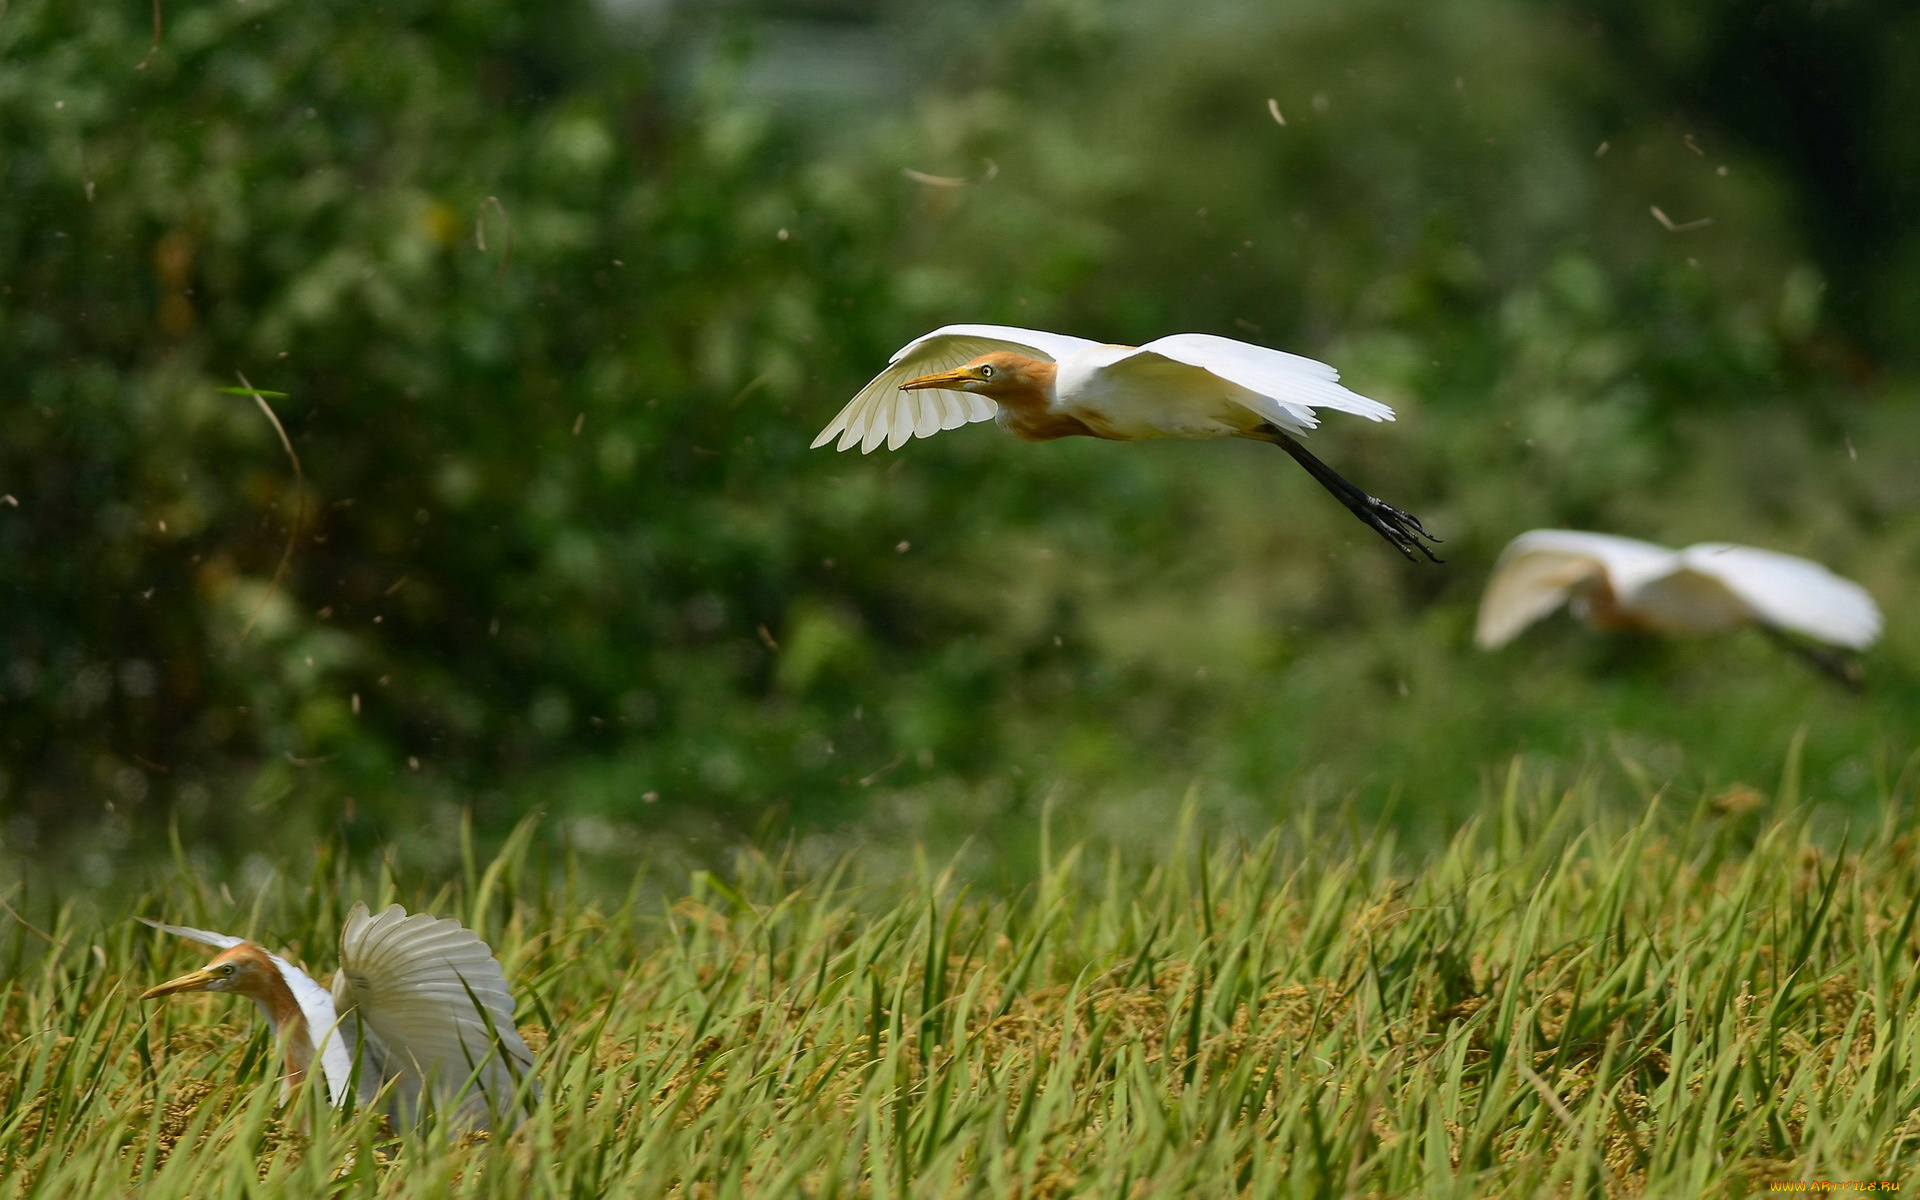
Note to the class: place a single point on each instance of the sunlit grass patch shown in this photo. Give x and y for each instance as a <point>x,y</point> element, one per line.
<point>1698,1000</point>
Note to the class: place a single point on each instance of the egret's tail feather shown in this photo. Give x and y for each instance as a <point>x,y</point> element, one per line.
<point>1403,529</point>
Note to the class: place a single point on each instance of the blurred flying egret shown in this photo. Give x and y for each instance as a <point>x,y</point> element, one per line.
<point>419,1003</point>
<point>1619,583</point>
<point>1041,386</point>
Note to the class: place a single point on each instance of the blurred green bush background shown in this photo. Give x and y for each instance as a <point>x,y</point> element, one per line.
<point>558,294</point>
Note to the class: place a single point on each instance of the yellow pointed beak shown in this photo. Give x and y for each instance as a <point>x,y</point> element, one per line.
<point>944,379</point>
<point>192,981</point>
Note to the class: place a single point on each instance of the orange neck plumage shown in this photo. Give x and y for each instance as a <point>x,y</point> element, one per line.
<point>1024,391</point>
<point>261,982</point>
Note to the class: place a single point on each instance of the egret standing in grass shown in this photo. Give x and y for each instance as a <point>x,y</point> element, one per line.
<point>1040,386</point>
<point>1619,583</point>
<point>419,1009</point>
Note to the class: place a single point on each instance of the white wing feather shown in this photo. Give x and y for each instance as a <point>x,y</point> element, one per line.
<point>1288,379</point>
<point>219,941</point>
<point>882,412</point>
<point>1036,343</point>
<point>316,1005</point>
<point>1791,593</point>
<point>431,1007</point>
<point>1538,571</point>
<point>323,1026</point>
<point>1163,391</point>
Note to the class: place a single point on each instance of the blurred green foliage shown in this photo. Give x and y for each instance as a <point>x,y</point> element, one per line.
<point>558,295</point>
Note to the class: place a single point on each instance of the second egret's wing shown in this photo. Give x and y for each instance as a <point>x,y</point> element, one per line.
<point>1539,569</point>
<point>881,412</point>
<point>1294,383</point>
<point>1790,593</point>
<point>431,1009</point>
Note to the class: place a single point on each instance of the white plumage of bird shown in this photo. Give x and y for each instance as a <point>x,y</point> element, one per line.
<point>1620,583</point>
<point>1040,386</point>
<point>419,1007</point>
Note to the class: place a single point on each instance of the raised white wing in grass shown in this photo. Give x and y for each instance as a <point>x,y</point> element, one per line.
<point>433,1014</point>
<point>881,412</point>
<point>1540,569</point>
<point>316,1006</point>
<point>1291,381</point>
<point>1790,593</point>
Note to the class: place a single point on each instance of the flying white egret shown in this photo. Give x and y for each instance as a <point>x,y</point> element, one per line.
<point>1041,386</point>
<point>1619,583</point>
<point>419,1007</point>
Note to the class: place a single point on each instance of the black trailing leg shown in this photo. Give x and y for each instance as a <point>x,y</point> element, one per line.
<point>1403,529</point>
<point>1837,665</point>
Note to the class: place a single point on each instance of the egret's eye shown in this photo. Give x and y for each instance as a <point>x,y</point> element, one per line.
<point>226,969</point>
<point>986,372</point>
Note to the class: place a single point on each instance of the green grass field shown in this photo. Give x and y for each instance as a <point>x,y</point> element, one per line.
<point>1709,996</point>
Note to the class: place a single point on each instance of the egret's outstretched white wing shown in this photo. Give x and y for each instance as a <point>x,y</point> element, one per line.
<point>1289,380</point>
<point>431,1009</point>
<point>1035,343</point>
<point>316,1006</point>
<point>1181,390</point>
<point>1538,571</point>
<point>1790,593</point>
<point>882,412</point>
